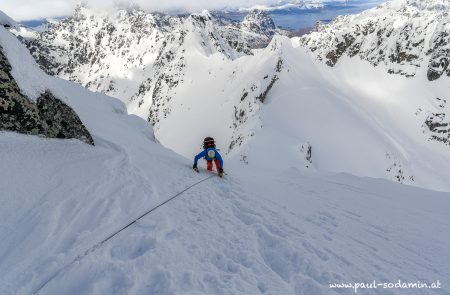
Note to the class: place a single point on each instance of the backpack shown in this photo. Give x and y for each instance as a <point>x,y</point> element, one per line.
<point>208,142</point>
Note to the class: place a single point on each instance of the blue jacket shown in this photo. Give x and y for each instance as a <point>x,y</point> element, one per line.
<point>204,154</point>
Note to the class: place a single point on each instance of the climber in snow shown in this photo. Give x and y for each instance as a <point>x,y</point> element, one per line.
<point>210,154</point>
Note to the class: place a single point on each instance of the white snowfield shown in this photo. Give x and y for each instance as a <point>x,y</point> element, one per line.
<point>269,227</point>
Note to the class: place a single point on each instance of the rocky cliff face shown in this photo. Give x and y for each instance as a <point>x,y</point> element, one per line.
<point>48,117</point>
<point>437,123</point>
<point>404,36</point>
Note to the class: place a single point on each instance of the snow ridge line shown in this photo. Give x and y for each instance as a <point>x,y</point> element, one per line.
<point>99,244</point>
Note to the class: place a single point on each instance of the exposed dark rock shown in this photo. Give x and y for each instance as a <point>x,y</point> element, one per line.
<point>306,150</point>
<point>334,55</point>
<point>48,117</point>
<point>237,142</point>
<point>262,97</point>
<point>437,68</point>
<point>279,66</point>
<point>397,171</point>
<point>438,124</point>
<point>61,120</point>
<point>244,96</point>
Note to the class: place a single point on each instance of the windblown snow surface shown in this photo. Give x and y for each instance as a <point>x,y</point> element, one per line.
<point>259,230</point>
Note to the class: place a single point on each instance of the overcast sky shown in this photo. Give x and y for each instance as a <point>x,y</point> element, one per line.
<point>21,10</point>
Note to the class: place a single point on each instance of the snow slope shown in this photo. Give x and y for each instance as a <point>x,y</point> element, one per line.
<point>295,235</point>
<point>226,236</point>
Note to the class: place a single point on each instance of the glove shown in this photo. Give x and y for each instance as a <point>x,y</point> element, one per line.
<point>195,168</point>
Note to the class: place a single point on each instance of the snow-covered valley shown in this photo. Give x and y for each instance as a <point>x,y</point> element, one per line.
<point>329,169</point>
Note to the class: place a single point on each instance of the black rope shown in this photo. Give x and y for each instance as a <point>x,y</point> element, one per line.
<point>99,244</point>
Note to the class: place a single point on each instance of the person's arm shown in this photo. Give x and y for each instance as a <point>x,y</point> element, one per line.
<point>198,157</point>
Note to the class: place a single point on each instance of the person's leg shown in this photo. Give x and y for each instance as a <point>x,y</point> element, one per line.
<point>217,165</point>
<point>209,165</point>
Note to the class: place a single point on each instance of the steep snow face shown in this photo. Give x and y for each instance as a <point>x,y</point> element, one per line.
<point>403,36</point>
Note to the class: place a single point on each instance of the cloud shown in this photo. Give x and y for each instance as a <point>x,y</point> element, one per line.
<point>29,9</point>
<point>21,10</point>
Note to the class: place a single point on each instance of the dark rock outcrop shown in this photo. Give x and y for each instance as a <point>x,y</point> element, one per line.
<point>48,117</point>
<point>437,123</point>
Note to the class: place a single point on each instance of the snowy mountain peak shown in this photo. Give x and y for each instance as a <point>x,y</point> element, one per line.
<point>200,20</point>
<point>206,14</point>
<point>278,43</point>
<point>260,22</point>
<point>407,37</point>
<point>419,4</point>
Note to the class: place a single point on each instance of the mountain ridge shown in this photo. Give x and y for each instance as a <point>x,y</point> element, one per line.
<point>401,35</point>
